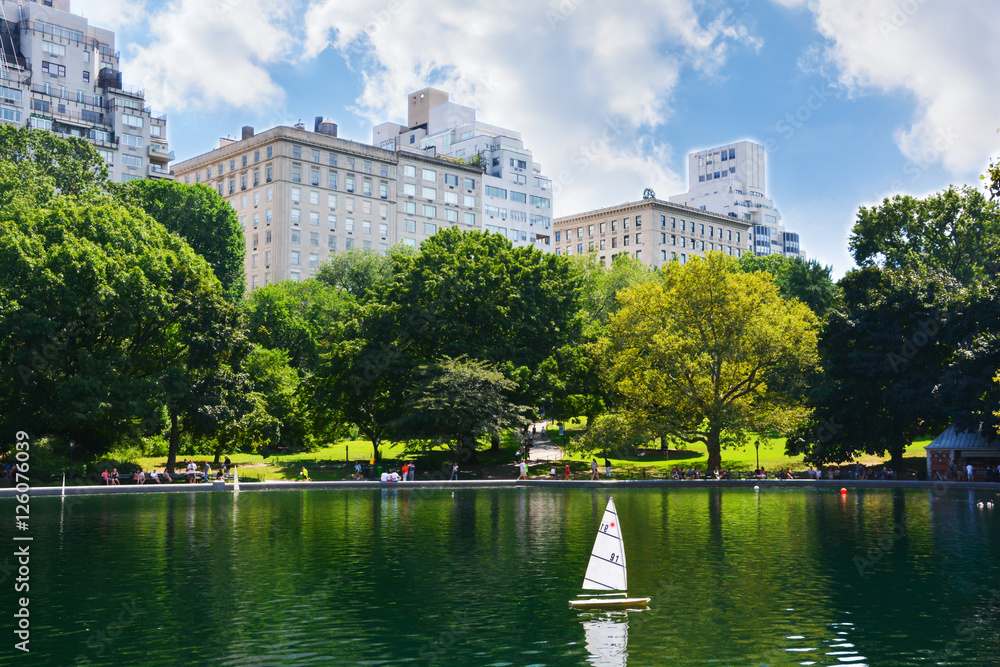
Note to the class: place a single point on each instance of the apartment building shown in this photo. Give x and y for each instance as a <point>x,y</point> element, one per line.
<point>731,180</point>
<point>516,196</point>
<point>303,195</point>
<point>59,73</point>
<point>653,231</point>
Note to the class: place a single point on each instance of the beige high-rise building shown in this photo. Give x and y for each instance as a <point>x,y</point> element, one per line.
<point>61,74</point>
<point>651,230</point>
<point>303,195</point>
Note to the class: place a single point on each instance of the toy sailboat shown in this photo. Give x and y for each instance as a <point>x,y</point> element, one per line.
<point>606,570</point>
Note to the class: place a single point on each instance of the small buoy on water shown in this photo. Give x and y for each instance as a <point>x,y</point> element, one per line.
<point>979,504</point>
<point>756,488</point>
<point>989,504</point>
<point>843,492</point>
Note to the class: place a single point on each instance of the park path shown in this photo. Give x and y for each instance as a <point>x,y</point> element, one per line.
<point>543,449</point>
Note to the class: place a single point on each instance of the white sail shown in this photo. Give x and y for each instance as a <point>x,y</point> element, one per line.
<point>606,570</point>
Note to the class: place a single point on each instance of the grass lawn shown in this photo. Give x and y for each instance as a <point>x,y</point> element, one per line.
<point>772,455</point>
<point>330,463</point>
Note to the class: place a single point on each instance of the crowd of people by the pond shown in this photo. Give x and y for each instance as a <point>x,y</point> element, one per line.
<point>193,473</point>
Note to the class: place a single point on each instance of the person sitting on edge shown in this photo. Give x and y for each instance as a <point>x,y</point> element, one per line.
<point>106,476</point>
<point>114,478</point>
<point>166,476</point>
<point>384,477</point>
<point>140,477</point>
<point>394,476</point>
<point>154,476</point>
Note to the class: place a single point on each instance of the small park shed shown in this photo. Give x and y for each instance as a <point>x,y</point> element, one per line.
<point>963,447</point>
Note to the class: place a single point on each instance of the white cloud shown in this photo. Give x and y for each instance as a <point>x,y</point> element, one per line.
<point>109,14</point>
<point>943,54</point>
<point>585,83</point>
<point>205,55</point>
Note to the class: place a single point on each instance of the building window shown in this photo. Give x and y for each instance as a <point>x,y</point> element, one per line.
<point>314,218</point>
<point>331,242</point>
<point>296,173</point>
<point>430,228</point>
<point>430,211</point>
<point>410,226</point>
<point>295,255</point>
<point>498,193</point>
<point>558,234</point>
<point>296,215</point>
<point>429,193</point>
<point>410,208</point>
<point>349,186</point>
<point>450,215</point>
<point>297,152</point>
<point>409,170</point>
<point>429,175</point>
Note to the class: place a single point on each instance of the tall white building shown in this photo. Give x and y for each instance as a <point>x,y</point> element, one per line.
<point>731,180</point>
<point>517,197</point>
<point>59,73</point>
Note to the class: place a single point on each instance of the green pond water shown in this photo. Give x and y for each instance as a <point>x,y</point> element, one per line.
<point>483,577</point>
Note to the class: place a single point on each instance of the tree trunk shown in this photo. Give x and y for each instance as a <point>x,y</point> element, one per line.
<point>175,440</point>
<point>494,443</point>
<point>714,448</point>
<point>218,453</point>
<point>664,446</point>
<point>467,451</point>
<point>376,443</point>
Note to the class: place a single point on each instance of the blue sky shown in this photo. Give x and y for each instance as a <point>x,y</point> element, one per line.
<point>855,99</point>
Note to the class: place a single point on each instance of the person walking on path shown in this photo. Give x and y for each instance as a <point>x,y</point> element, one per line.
<point>524,470</point>
<point>190,471</point>
<point>968,471</point>
<point>567,471</point>
<point>607,468</point>
<point>207,472</point>
<point>454,471</point>
<point>413,472</point>
<point>593,470</point>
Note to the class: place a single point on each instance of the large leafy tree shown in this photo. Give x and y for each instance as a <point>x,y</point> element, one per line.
<point>913,344</point>
<point>102,310</point>
<point>362,272</point>
<point>698,355</point>
<point>459,401</point>
<point>883,356</point>
<point>956,231</point>
<point>201,217</point>
<point>364,372</point>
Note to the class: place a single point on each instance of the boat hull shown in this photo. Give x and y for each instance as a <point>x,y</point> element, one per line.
<point>589,603</point>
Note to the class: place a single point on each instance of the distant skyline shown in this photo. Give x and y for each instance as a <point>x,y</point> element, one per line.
<point>854,99</point>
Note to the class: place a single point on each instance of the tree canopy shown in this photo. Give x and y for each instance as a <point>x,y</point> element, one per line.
<point>700,353</point>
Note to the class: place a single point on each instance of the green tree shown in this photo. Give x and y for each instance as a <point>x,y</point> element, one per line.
<point>883,356</point>
<point>73,165</point>
<point>295,317</point>
<point>699,354</point>
<point>363,273</point>
<point>956,231</point>
<point>201,217</point>
<point>459,401</point>
<point>364,373</point>
<point>806,280</point>
<point>102,309</point>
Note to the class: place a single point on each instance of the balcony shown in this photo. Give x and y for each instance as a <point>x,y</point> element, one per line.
<point>156,171</point>
<point>159,152</point>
